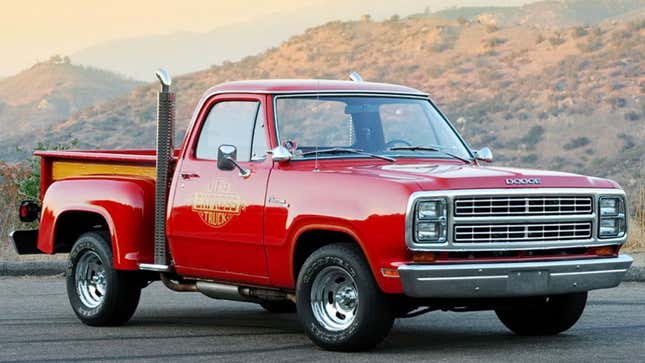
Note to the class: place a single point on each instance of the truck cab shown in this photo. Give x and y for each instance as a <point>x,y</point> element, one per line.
<point>351,203</point>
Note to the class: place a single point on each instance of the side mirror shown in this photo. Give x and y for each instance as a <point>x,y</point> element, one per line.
<point>280,154</point>
<point>484,154</point>
<point>227,160</point>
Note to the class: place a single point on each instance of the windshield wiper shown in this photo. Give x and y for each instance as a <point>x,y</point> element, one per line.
<point>430,148</point>
<point>340,150</point>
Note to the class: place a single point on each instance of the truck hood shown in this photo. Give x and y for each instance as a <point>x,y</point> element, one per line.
<point>440,176</point>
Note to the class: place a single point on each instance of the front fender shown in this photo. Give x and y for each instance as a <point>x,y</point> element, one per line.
<point>125,203</point>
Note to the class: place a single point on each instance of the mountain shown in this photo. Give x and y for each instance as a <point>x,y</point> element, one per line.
<point>185,52</point>
<point>551,14</point>
<point>571,99</point>
<point>34,100</point>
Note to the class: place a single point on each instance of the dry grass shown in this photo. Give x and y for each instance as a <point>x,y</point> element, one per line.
<point>10,174</point>
<point>636,241</point>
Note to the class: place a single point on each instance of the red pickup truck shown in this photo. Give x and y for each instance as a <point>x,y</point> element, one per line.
<point>351,203</point>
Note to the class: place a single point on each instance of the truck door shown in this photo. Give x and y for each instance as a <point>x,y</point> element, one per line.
<point>216,219</point>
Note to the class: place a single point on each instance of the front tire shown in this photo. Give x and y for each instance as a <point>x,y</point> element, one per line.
<point>338,302</point>
<point>99,294</point>
<point>546,315</point>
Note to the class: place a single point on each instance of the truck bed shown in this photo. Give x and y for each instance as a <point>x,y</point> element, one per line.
<point>58,165</point>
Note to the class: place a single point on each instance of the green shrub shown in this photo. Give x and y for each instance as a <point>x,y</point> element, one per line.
<point>557,38</point>
<point>530,158</point>
<point>636,25</point>
<point>576,143</point>
<point>592,45</point>
<point>493,42</point>
<point>491,28</point>
<point>632,116</point>
<point>579,32</point>
<point>29,185</point>
<point>533,136</point>
<point>540,38</point>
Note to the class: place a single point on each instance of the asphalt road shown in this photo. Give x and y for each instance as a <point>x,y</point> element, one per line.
<point>37,324</point>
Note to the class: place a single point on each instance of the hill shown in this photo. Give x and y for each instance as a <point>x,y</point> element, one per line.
<point>136,56</point>
<point>49,92</point>
<point>193,51</point>
<point>570,99</point>
<point>551,14</point>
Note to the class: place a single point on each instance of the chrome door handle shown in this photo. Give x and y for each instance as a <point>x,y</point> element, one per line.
<point>277,201</point>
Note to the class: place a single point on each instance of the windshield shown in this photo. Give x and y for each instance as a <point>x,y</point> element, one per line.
<point>390,126</point>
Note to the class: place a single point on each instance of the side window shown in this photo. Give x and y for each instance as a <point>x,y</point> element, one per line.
<point>228,122</point>
<point>258,151</point>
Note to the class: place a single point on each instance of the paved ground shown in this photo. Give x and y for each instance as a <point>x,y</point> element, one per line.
<point>36,324</point>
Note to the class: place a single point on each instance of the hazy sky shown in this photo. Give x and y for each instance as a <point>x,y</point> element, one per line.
<point>32,30</point>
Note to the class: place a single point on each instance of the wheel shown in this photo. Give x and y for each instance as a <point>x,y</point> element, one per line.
<point>338,302</point>
<point>544,315</point>
<point>283,306</point>
<point>99,295</point>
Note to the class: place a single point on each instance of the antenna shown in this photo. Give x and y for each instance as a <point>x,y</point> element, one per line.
<point>355,77</point>
<point>316,161</point>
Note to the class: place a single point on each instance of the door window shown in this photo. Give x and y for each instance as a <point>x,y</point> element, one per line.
<point>231,123</point>
<point>258,152</point>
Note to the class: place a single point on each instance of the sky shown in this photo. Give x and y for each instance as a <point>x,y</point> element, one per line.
<point>33,30</point>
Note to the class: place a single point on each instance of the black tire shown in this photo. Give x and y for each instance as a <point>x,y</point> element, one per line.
<point>372,319</point>
<point>122,289</point>
<point>544,315</point>
<point>279,307</point>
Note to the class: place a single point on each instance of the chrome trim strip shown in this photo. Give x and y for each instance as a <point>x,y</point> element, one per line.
<point>482,233</point>
<point>452,246</point>
<point>495,206</point>
<point>213,93</point>
<point>512,279</point>
<point>462,278</point>
<point>589,272</point>
<point>421,96</point>
<point>279,95</point>
<point>154,267</point>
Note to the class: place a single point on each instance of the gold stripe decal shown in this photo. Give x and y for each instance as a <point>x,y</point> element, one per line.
<point>69,169</point>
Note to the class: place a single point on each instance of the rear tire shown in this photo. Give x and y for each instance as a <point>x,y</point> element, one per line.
<point>279,307</point>
<point>338,302</point>
<point>99,294</point>
<point>544,315</point>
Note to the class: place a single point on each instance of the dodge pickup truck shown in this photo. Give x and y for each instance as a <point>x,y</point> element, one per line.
<point>348,202</point>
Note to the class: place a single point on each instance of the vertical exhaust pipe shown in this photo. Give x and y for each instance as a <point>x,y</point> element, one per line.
<point>165,149</point>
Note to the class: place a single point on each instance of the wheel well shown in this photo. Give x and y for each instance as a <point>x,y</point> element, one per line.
<point>71,225</point>
<point>310,241</point>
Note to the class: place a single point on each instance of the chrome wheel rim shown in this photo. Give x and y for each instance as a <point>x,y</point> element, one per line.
<point>334,298</point>
<point>91,282</point>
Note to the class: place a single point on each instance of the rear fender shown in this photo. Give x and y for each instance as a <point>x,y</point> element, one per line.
<point>126,204</point>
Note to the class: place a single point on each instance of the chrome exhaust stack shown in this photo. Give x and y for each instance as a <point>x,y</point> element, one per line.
<point>240,293</point>
<point>165,149</point>
<point>216,290</point>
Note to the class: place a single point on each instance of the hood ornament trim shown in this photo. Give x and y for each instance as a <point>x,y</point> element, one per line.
<point>523,181</point>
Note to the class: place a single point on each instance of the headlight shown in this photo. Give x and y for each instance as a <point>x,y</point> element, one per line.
<point>612,220</point>
<point>430,210</point>
<point>430,221</point>
<point>609,206</point>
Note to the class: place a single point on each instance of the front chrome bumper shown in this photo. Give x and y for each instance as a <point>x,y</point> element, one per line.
<point>512,279</point>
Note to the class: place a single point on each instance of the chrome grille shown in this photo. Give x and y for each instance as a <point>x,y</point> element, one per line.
<point>522,206</point>
<point>520,232</point>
